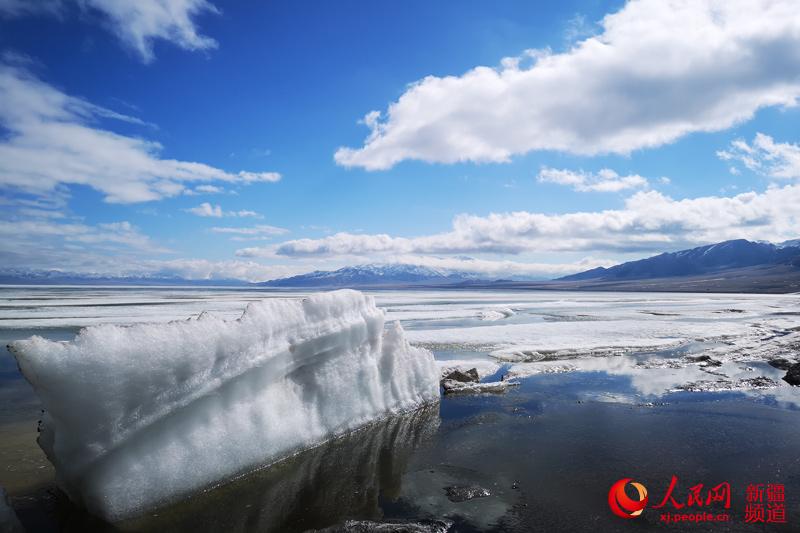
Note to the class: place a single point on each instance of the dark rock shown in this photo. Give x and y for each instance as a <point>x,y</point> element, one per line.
<point>462,494</point>
<point>759,382</point>
<point>468,376</point>
<point>780,363</point>
<point>792,376</point>
<point>704,359</point>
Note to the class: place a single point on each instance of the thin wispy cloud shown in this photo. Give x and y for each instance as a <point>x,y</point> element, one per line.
<point>40,234</point>
<point>53,138</point>
<point>17,8</point>
<point>208,210</point>
<point>204,189</point>
<point>657,71</point>
<point>260,231</point>
<point>605,180</point>
<point>138,24</point>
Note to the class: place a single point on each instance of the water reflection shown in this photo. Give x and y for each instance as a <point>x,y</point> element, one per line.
<point>342,479</point>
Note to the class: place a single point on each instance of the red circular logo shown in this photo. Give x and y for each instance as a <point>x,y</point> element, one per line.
<point>621,504</point>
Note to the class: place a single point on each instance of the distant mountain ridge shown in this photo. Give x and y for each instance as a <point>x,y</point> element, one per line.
<point>371,275</point>
<point>731,266</point>
<point>723,256</point>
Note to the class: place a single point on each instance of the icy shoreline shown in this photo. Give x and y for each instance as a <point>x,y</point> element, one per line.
<point>141,415</point>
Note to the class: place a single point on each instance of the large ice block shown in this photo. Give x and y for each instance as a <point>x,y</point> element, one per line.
<point>140,415</point>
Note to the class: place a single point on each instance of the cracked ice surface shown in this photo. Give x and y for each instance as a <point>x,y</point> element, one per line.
<point>139,415</point>
<point>661,342</point>
<point>548,326</point>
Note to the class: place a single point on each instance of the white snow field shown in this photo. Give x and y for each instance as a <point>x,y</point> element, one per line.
<point>143,414</point>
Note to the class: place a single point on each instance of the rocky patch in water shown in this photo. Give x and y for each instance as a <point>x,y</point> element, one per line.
<point>391,526</point>
<point>452,387</point>
<point>759,382</point>
<point>704,360</point>
<point>458,494</point>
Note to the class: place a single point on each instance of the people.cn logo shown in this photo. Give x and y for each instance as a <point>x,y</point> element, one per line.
<point>621,504</point>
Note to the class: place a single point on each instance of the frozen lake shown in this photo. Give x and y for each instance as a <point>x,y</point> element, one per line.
<point>611,385</point>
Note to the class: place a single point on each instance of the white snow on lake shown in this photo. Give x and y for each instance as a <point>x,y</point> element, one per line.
<point>535,331</point>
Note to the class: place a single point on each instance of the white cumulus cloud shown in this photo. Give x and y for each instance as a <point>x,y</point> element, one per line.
<point>649,222</point>
<point>765,156</point>
<point>656,71</point>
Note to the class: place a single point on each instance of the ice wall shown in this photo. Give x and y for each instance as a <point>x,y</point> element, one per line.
<point>141,415</point>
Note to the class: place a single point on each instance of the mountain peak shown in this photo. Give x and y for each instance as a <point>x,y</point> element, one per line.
<point>372,274</point>
<point>721,256</point>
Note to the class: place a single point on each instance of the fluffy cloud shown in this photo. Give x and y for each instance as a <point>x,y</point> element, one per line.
<point>207,210</point>
<point>765,156</point>
<point>656,71</point>
<point>649,222</point>
<point>52,138</point>
<point>137,23</point>
<point>606,180</point>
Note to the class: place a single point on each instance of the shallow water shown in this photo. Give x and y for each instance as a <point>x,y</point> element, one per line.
<point>547,450</point>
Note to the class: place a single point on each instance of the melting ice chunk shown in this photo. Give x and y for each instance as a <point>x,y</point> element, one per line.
<point>496,313</point>
<point>141,415</point>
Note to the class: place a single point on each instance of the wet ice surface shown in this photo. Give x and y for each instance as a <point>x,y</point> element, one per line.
<point>610,386</point>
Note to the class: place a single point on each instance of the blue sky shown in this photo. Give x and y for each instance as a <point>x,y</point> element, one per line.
<point>211,139</point>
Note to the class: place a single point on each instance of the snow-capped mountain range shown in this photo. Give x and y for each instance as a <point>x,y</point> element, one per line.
<point>374,275</point>
<point>723,256</point>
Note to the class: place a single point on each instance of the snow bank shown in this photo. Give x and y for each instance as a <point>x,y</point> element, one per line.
<point>140,415</point>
